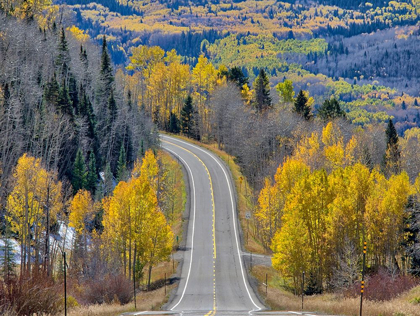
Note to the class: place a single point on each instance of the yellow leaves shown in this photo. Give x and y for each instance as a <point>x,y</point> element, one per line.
<point>36,193</point>
<point>144,58</point>
<point>308,149</point>
<point>149,169</point>
<point>320,211</point>
<point>246,94</point>
<point>204,78</point>
<point>132,218</point>
<point>267,215</point>
<point>78,34</point>
<point>80,208</point>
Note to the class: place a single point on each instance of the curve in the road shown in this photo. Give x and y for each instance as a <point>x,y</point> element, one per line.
<point>213,225</point>
<point>182,145</point>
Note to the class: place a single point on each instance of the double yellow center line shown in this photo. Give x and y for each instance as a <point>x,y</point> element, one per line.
<point>212,312</point>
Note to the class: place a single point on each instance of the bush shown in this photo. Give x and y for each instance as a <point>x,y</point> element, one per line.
<point>28,296</point>
<point>108,289</point>
<point>382,286</point>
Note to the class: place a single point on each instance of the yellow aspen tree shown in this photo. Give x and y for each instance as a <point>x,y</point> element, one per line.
<point>118,229</point>
<point>291,253</point>
<point>149,170</point>
<point>265,214</point>
<point>385,217</point>
<point>81,210</point>
<point>333,146</point>
<point>160,241</point>
<point>352,187</point>
<point>308,150</point>
<point>32,206</point>
<point>204,79</point>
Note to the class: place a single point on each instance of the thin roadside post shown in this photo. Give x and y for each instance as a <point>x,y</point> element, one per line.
<point>362,286</point>
<point>303,286</point>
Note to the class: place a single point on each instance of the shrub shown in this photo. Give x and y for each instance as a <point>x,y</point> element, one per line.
<point>109,288</point>
<point>28,296</point>
<point>382,286</point>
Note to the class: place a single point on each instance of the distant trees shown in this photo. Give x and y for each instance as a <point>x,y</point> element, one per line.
<point>330,109</point>
<point>301,106</point>
<point>262,99</point>
<point>187,117</point>
<point>285,90</point>
<point>392,156</point>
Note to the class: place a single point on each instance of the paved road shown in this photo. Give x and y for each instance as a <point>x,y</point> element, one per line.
<point>213,277</point>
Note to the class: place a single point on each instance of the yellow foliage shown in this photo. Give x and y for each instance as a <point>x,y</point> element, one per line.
<point>81,207</point>
<point>78,34</point>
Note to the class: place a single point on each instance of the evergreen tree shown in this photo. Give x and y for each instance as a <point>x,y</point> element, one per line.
<point>173,124</point>
<point>92,175</point>
<point>262,99</point>
<point>73,94</point>
<point>52,91</point>
<point>63,58</point>
<point>83,57</point>
<point>107,76</point>
<point>112,108</point>
<point>187,112</point>
<point>330,109</point>
<point>392,156</point>
<point>122,173</point>
<point>301,106</point>
<point>79,176</point>
<point>411,243</point>
<point>7,260</point>
<point>64,103</point>
<point>236,75</point>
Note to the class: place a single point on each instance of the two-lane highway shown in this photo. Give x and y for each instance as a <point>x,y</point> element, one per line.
<point>213,277</point>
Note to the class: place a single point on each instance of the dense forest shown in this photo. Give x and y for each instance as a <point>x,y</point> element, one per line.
<point>70,132</point>
<point>322,119</point>
<point>310,43</point>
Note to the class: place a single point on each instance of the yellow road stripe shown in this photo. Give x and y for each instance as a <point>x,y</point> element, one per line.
<point>213,312</point>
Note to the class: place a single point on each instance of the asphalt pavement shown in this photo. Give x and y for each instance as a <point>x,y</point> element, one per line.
<point>213,278</point>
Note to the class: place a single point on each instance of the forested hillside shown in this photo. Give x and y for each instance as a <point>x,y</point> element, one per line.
<point>75,148</point>
<point>317,101</point>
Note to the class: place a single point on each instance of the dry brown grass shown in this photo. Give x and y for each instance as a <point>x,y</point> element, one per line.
<point>333,304</point>
<point>146,301</point>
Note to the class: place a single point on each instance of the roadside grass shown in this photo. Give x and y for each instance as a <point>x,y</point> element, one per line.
<point>146,301</point>
<point>277,298</point>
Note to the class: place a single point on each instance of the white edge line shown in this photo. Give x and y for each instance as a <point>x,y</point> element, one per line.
<point>193,228</point>
<point>233,213</point>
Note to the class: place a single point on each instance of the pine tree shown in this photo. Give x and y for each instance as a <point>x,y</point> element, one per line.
<point>392,156</point>
<point>107,76</point>
<point>63,58</point>
<point>112,108</point>
<point>262,99</point>
<point>64,103</point>
<point>187,111</point>
<point>73,94</point>
<point>173,124</point>
<point>236,75</point>
<point>52,91</point>
<point>92,175</point>
<point>7,260</point>
<point>330,109</point>
<point>122,173</point>
<point>79,176</point>
<point>302,107</point>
